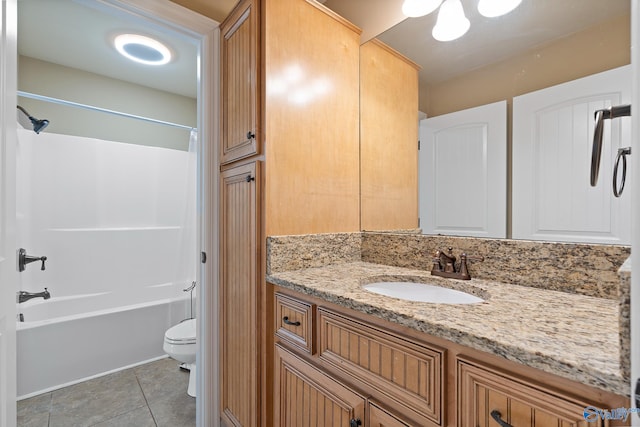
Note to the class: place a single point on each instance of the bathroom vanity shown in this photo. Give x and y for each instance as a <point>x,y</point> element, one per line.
<point>525,356</point>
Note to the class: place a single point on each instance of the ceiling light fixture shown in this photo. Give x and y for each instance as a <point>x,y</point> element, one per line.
<point>451,23</point>
<point>142,49</point>
<point>494,8</point>
<point>417,8</point>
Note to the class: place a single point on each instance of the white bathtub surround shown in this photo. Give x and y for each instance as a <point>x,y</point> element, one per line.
<point>112,219</point>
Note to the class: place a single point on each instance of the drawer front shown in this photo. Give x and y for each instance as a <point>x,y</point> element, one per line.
<point>408,372</point>
<point>294,322</point>
<point>485,395</point>
<point>378,417</point>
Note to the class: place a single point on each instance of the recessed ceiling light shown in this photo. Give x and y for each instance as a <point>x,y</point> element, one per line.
<point>142,49</point>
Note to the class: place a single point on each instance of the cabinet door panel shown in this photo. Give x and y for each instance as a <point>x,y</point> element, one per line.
<point>483,390</point>
<point>306,397</point>
<point>239,83</point>
<point>238,295</point>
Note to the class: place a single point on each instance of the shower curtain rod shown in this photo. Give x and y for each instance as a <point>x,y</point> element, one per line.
<point>102,110</point>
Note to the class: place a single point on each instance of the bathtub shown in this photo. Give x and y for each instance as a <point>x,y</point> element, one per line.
<point>66,340</point>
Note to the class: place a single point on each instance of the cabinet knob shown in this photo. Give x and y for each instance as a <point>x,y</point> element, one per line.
<point>286,320</point>
<point>250,135</point>
<point>355,422</point>
<point>250,178</point>
<point>497,416</point>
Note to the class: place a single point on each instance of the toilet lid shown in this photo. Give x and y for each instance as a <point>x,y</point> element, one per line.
<point>183,332</point>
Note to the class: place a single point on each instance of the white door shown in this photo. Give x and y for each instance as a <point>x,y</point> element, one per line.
<point>463,172</point>
<point>8,271</point>
<point>552,141</point>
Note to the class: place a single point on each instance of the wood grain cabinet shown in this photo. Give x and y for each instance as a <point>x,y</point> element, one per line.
<point>365,372</point>
<point>487,395</point>
<point>239,355</point>
<point>409,373</point>
<point>378,417</point>
<point>295,322</point>
<point>240,85</point>
<point>308,397</point>
<point>369,361</point>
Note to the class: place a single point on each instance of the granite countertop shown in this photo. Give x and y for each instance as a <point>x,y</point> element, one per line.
<point>570,335</point>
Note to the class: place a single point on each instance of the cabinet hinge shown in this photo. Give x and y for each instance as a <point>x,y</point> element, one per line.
<point>418,145</point>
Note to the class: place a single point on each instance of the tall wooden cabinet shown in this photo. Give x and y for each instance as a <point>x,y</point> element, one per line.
<point>290,102</point>
<point>239,294</point>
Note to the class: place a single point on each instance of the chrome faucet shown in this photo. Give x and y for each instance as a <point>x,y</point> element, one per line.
<point>444,265</point>
<point>26,296</point>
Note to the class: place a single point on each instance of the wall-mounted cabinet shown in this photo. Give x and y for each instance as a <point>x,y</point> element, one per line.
<point>240,83</point>
<point>388,139</point>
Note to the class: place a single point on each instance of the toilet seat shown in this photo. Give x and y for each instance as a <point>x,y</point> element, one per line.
<point>183,333</point>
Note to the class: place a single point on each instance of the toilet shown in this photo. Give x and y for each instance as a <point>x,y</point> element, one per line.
<point>180,344</point>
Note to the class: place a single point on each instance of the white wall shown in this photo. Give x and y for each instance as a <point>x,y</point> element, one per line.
<point>45,78</point>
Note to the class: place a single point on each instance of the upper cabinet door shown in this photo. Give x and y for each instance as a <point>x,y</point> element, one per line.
<point>463,172</point>
<point>552,142</point>
<point>239,85</point>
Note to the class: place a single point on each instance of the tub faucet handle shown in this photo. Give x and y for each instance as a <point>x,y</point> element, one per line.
<point>24,259</point>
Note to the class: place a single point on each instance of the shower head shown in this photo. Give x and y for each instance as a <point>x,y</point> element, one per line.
<point>38,124</point>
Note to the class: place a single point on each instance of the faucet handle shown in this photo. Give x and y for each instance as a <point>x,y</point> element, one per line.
<point>464,272</point>
<point>437,266</point>
<point>43,259</point>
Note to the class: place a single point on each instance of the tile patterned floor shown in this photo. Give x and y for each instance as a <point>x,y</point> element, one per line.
<point>150,395</point>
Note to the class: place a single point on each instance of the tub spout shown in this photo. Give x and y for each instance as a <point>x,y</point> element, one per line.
<point>26,296</point>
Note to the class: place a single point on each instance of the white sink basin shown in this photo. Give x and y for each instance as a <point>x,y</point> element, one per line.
<point>422,292</point>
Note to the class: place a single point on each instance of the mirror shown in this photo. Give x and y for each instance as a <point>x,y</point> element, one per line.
<point>540,44</point>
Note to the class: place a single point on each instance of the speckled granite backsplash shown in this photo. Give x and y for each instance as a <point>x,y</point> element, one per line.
<point>569,267</point>
<point>285,253</point>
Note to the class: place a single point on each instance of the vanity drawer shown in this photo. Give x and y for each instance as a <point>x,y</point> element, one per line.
<point>294,322</point>
<point>408,372</point>
<point>485,394</point>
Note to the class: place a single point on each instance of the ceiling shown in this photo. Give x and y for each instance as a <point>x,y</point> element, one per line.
<point>489,40</point>
<point>78,34</point>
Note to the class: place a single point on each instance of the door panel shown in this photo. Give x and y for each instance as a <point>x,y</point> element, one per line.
<point>463,172</point>
<point>552,142</point>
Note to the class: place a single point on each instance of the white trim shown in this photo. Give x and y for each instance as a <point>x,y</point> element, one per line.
<point>8,274</point>
<point>635,203</point>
